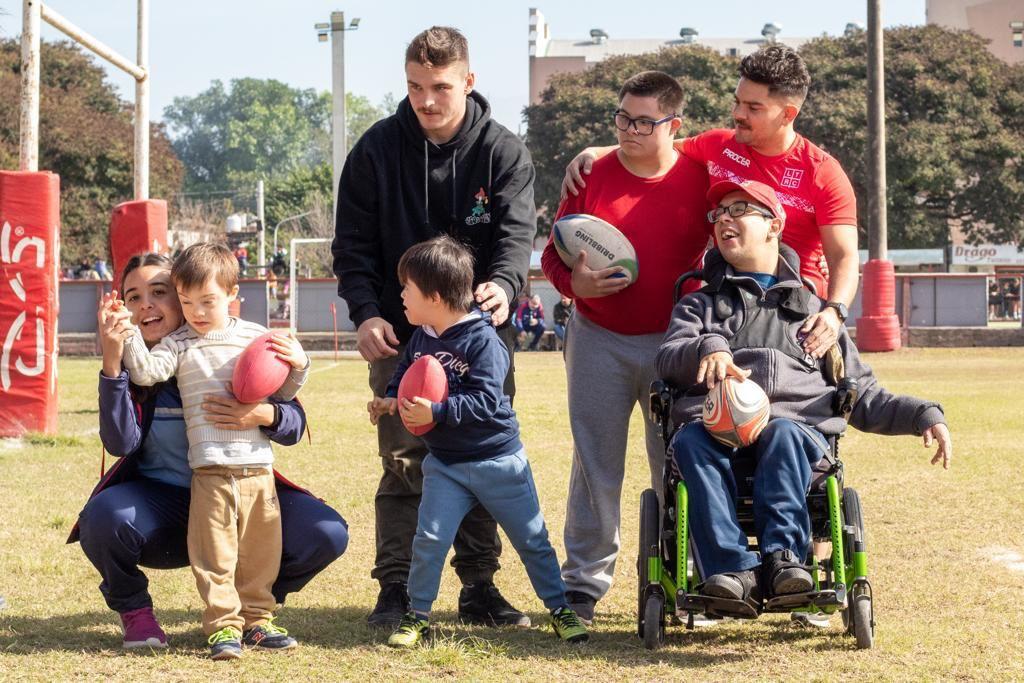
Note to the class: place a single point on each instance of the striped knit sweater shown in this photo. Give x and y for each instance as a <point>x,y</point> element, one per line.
<point>203,364</point>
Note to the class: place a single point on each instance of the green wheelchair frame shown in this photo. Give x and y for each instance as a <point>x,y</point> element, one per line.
<point>667,574</point>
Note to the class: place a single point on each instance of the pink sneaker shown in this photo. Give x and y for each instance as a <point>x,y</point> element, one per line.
<point>141,629</point>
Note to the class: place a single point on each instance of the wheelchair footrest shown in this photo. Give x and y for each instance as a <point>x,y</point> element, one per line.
<point>825,598</point>
<point>714,606</point>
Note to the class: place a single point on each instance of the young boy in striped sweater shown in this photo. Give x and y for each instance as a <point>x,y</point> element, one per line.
<point>234,527</point>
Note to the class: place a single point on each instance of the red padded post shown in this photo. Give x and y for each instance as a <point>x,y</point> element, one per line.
<point>878,329</point>
<point>136,227</point>
<point>29,259</point>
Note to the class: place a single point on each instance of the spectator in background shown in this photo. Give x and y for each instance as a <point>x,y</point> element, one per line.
<point>242,254</point>
<point>995,300</point>
<point>530,320</point>
<point>86,271</point>
<point>100,267</point>
<point>1011,298</point>
<point>563,309</point>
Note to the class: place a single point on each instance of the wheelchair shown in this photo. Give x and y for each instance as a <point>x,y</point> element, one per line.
<point>668,562</point>
<point>668,565</point>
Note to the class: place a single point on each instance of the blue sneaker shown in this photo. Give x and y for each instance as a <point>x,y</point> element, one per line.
<point>269,637</point>
<point>226,644</point>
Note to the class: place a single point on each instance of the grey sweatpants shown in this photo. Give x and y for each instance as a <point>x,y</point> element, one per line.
<point>608,375</point>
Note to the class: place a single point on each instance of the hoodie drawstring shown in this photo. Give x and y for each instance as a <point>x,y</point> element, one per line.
<point>426,182</point>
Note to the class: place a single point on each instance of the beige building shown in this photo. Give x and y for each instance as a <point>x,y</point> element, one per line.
<point>549,55</point>
<point>1000,21</point>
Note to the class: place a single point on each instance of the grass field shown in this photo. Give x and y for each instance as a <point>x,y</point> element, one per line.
<point>941,547</point>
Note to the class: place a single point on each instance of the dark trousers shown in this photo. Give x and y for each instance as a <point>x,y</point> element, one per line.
<point>786,453</point>
<point>477,546</point>
<point>144,523</point>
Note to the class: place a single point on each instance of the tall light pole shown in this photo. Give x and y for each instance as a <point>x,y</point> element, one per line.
<point>335,31</point>
<point>878,329</point>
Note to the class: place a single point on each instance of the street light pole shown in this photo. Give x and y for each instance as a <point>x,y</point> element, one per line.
<point>877,224</point>
<point>338,87</point>
<point>335,32</point>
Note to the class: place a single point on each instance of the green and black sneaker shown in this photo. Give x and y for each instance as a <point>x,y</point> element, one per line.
<point>568,626</point>
<point>410,631</point>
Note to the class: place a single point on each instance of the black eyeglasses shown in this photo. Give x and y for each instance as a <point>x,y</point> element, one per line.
<point>641,126</point>
<point>737,209</point>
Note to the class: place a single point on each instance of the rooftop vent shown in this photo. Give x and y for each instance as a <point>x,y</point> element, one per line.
<point>688,34</point>
<point>770,31</point>
<point>598,35</point>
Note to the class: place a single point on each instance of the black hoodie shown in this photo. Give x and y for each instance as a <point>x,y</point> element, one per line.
<point>398,189</point>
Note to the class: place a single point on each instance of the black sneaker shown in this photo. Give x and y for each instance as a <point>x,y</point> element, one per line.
<point>583,605</point>
<point>732,585</point>
<point>785,574</point>
<point>482,603</point>
<point>392,604</point>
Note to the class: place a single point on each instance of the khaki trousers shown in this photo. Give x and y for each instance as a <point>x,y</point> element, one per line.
<point>234,544</point>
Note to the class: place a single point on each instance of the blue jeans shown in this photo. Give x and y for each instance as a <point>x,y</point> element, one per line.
<point>785,454</point>
<point>144,523</point>
<point>504,486</point>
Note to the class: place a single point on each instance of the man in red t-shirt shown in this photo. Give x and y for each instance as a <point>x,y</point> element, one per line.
<point>821,208</point>
<point>656,197</point>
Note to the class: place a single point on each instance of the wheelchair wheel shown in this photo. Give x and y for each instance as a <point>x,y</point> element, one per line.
<point>860,613</point>
<point>852,516</point>
<point>650,546</point>
<point>654,622</point>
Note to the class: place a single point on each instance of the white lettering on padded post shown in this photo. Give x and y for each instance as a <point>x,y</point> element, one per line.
<point>9,257</point>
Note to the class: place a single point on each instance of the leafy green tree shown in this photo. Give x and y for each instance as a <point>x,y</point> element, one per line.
<point>954,131</point>
<point>255,129</point>
<point>85,136</point>
<point>576,109</point>
<point>954,118</point>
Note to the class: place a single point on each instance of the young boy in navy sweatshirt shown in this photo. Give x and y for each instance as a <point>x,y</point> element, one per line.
<point>476,455</point>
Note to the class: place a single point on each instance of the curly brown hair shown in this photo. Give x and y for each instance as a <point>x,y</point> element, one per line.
<point>779,67</point>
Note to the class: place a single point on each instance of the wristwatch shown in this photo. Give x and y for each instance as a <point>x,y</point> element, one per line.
<point>841,310</point>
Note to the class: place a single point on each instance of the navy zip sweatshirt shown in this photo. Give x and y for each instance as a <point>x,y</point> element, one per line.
<point>398,189</point>
<point>477,421</point>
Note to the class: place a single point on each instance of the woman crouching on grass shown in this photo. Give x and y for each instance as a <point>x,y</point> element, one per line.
<point>138,513</point>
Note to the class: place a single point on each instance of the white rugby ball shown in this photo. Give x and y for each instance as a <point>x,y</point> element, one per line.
<point>605,245</point>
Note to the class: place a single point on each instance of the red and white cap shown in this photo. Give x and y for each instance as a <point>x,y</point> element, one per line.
<point>759,192</point>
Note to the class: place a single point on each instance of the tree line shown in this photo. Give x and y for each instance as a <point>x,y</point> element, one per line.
<point>954,112</point>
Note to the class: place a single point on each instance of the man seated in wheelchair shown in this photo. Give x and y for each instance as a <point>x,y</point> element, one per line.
<point>745,324</point>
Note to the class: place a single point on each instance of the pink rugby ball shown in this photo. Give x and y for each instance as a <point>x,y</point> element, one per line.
<point>259,373</point>
<point>425,378</point>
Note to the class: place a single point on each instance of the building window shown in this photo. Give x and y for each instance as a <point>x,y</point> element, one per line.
<point>1017,27</point>
<point>733,52</point>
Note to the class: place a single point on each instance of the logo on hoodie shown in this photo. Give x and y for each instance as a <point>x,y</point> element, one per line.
<point>479,214</point>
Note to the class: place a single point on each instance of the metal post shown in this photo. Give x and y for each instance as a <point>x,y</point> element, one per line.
<point>142,105</point>
<point>340,143</point>
<point>263,225</point>
<point>29,124</point>
<point>877,226</point>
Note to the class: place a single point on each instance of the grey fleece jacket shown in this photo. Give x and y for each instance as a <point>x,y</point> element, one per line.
<point>795,383</point>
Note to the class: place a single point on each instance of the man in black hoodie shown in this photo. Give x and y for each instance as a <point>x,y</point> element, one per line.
<point>439,165</point>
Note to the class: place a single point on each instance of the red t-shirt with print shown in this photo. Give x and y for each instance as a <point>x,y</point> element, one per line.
<point>664,218</point>
<point>809,182</point>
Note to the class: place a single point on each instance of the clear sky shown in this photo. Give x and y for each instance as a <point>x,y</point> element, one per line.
<point>193,42</point>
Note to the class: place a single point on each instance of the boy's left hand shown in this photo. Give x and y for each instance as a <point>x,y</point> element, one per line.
<point>939,432</point>
<point>416,413</point>
<point>289,350</point>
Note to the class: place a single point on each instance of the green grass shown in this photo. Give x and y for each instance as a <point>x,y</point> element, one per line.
<point>945,608</point>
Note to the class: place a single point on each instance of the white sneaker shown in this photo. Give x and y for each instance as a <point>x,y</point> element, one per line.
<point>813,619</point>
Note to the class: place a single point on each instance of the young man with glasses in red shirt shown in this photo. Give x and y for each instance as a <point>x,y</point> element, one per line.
<point>655,196</point>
